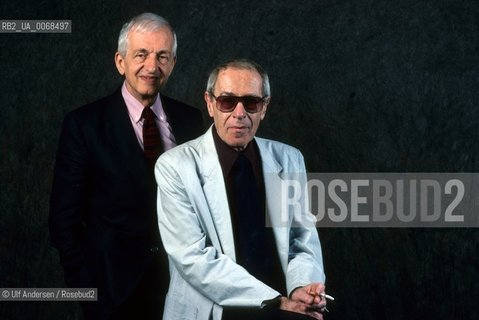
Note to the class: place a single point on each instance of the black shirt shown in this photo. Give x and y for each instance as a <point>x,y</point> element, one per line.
<point>227,157</point>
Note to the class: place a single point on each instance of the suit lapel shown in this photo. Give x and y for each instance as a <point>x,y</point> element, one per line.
<point>272,173</point>
<point>176,118</point>
<point>121,136</point>
<point>269,162</point>
<point>215,193</point>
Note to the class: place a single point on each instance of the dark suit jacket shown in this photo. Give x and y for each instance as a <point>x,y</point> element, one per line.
<point>103,217</point>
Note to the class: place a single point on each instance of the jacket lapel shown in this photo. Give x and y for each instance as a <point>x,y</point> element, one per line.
<point>272,173</point>
<point>215,193</point>
<point>122,138</point>
<point>175,112</point>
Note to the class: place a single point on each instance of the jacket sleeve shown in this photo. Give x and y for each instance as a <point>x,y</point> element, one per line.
<point>67,201</point>
<point>305,264</point>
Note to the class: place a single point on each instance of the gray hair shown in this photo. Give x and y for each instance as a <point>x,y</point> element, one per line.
<point>239,64</point>
<point>145,22</point>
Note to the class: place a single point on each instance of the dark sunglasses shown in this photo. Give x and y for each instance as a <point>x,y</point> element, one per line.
<point>251,104</point>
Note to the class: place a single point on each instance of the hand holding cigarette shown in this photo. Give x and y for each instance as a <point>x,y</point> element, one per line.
<point>313,296</point>
<point>327,296</point>
<point>323,295</point>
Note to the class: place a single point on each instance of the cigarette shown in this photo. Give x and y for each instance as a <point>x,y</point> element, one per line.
<point>327,296</point>
<point>322,294</point>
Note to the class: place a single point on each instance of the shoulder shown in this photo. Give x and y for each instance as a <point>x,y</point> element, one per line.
<point>277,148</point>
<point>187,121</point>
<point>93,118</point>
<point>198,154</point>
<point>97,108</point>
<point>182,162</point>
<point>175,106</point>
<point>280,156</point>
<point>183,154</point>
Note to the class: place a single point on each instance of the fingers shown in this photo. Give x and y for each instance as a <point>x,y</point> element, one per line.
<point>311,294</point>
<point>315,315</point>
<point>303,295</point>
<point>315,289</point>
<point>314,311</point>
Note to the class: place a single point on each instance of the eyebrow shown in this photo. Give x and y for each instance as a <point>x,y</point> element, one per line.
<point>230,94</point>
<point>147,51</point>
<point>226,93</point>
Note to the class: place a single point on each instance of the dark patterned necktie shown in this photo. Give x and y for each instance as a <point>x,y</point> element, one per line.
<point>151,137</point>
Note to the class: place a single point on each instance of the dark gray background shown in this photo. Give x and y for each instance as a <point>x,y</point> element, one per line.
<point>358,86</point>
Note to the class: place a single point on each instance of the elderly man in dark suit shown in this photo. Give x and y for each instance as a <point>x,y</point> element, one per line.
<point>103,217</point>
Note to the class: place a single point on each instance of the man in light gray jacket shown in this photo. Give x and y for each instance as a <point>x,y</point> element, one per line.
<point>215,194</point>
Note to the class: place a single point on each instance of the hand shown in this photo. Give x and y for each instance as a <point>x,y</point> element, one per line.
<point>300,307</point>
<point>310,295</point>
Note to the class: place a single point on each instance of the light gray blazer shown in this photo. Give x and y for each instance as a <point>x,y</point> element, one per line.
<point>195,227</point>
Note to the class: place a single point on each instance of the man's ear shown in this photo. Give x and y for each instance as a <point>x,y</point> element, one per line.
<point>265,107</point>
<point>209,103</point>
<point>120,63</point>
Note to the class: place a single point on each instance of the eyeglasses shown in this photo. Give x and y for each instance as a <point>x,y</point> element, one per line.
<point>251,104</point>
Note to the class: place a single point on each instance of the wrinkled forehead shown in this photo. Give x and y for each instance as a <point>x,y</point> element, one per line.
<point>160,38</point>
<point>239,81</point>
<point>142,31</point>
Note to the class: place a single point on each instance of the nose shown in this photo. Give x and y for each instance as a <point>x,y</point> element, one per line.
<point>239,111</point>
<point>151,63</point>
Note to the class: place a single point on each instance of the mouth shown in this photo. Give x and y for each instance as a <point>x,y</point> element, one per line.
<point>238,129</point>
<point>149,78</point>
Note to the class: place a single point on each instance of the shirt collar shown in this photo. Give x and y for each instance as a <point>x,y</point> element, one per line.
<point>135,108</point>
<point>227,155</point>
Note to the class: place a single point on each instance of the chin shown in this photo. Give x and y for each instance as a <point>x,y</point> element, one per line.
<point>150,92</point>
<point>239,143</point>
